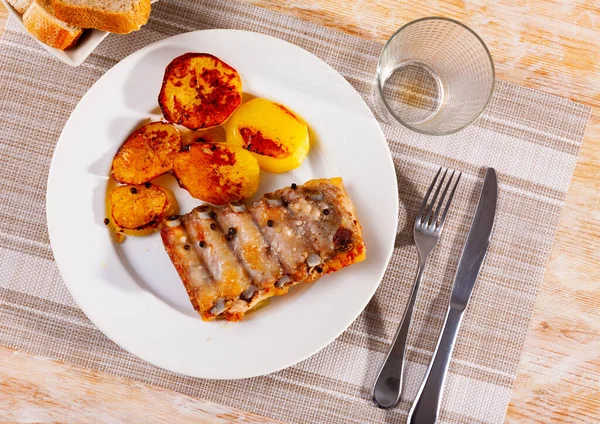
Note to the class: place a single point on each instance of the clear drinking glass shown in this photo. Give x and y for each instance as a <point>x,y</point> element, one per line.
<point>434,76</point>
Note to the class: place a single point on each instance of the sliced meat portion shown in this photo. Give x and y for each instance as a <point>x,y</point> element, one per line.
<point>346,236</point>
<point>211,245</point>
<point>319,218</point>
<point>325,211</point>
<point>286,236</point>
<point>201,288</point>
<point>232,258</point>
<point>249,245</point>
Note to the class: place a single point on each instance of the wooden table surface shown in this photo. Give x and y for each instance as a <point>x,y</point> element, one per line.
<point>553,46</point>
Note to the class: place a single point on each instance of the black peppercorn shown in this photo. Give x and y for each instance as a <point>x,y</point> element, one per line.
<point>325,211</point>
<point>133,190</point>
<point>202,244</point>
<point>294,186</point>
<point>230,233</point>
<point>106,221</point>
<point>186,247</point>
<point>213,148</point>
<point>213,226</point>
<point>270,223</point>
<point>147,185</point>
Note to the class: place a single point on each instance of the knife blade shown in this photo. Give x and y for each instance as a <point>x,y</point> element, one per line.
<point>477,242</point>
<point>425,408</point>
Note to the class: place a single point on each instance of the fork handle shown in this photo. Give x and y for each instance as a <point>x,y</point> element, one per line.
<point>425,409</point>
<point>388,385</point>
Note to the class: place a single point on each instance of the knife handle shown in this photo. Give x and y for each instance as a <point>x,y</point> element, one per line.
<point>425,408</point>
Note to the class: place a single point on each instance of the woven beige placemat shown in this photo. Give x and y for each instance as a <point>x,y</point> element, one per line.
<point>531,138</point>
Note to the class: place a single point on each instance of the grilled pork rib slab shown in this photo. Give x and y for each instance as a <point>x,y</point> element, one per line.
<point>249,245</point>
<point>230,258</point>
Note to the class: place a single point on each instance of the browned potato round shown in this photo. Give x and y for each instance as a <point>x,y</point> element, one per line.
<point>147,153</point>
<point>139,209</point>
<point>217,173</point>
<point>276,137</point>
<point>199,91</point>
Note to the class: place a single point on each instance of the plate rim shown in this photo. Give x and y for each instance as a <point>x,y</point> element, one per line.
<point>63,268</point>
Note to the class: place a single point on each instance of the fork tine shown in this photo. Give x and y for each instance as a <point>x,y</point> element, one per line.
<point>432,203</point>
<point>424,203</point>
<point>449,201</point>
<point>441,202</point>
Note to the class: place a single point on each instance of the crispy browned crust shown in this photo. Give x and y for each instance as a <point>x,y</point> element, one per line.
<point>39,21</point>
<point>233,315</point>
<point>218,91</point>
<point>148,206</point>
<point>147,153</point>
<point>217,173</point>
<point>117,22</point>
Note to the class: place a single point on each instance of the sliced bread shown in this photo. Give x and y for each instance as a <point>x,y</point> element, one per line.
<point>20,5</point>
<point>40,21</point>
<point>119,16</point>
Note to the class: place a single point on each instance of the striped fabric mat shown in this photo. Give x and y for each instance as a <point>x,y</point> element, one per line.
<point>531,138</point>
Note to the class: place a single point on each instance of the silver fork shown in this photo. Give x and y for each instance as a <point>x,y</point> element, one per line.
<point>426,232</point>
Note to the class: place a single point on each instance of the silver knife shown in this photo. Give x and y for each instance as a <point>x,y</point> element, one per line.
<point>426,406</point>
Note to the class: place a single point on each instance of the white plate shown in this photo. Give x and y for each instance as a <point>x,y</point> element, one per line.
<point>132,293</point>
<point>76,55</point>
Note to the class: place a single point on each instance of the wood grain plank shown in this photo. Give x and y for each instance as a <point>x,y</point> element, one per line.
<point>3,18</point>
<point>34,389</point>
<point>553,46</point>
<point>559,372</point>
<point>549,45</point>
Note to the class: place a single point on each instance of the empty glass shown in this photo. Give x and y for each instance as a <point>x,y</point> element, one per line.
<point>434,76</point>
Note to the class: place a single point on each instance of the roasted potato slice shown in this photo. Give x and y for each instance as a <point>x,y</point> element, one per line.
<point>217,173</point>
<point>147,153</point>
<point>199,91</point>
<point>276,137</point>
<point>139,209</point>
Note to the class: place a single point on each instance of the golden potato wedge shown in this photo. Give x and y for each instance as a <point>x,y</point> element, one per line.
<point>199,91</point>
<point>217,173</point>
<point>276,137</point>
<point>147,153</point>
<point>139,209</point>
